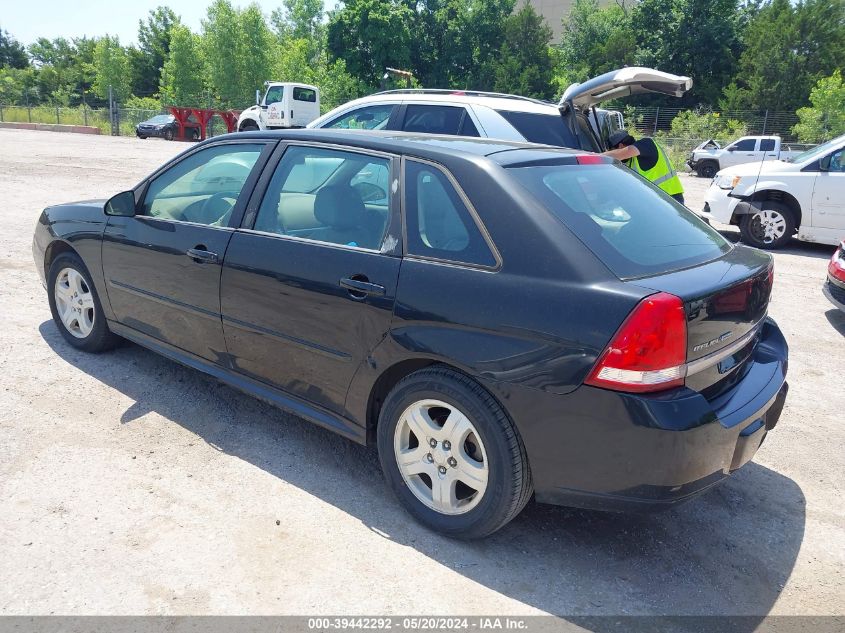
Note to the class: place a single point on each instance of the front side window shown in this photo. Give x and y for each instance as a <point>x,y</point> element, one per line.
<point>305,94</point>
<point>745,145</point>
<point>837,161</point>
<point>438,223</point>
<point>204,187</point>
<point>631,225</point>
<point>328,196</point>
<point>367,118</point>
<point>274,94</point>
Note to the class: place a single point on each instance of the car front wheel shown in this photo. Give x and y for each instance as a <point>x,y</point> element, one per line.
<point>75,306</point>
<point>451,455</point>
<point>768,227</point>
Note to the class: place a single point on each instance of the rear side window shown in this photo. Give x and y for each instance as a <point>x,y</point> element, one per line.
<point>439,225</point>
<point>632,226</point>
<point>767,145</point>
<point>552,129</point>
<point>305,94</point>
<point>433,119</point>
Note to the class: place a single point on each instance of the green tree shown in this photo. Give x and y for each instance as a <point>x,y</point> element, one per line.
<point>147,60</point>
<point>370,35</point>
<point>12,52</point>
<point>697,38</point>
<point>826,117</point>
<point>299,19</point>
<point>182,75</point>
<point>111,64</point>
<point>237,46</point>
<point>594,41</point>
<point>524,65</point>
<point>788,48</point>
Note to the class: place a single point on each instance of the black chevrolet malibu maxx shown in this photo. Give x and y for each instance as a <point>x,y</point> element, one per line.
<point>502,319</point>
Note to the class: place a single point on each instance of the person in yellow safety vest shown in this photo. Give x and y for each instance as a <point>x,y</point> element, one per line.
<point>649,160</point>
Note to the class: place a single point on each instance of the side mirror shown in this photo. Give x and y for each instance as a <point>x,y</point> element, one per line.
<point>732,148</point>
<point>257,97</point>
<point>824,163</point>
<point>123,204</point>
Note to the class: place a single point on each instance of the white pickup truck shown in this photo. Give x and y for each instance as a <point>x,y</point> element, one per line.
<point>709,157</point>
<point>774,201</point>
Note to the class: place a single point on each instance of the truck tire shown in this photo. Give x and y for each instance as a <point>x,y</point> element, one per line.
<point>769,226</point>
<point>249,126</point>
<point>707,169</point>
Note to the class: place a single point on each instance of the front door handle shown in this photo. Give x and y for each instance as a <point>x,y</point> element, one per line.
<point>360,287</point>
<point>202,256</point>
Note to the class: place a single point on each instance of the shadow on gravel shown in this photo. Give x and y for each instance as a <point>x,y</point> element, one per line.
<point>728,552</point>
<point>795,247</point>
<point>836,318</point>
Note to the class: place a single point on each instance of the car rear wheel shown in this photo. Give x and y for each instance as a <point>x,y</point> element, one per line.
<point>451,455</point>
<point>707,170</point>
<point>195,134</point>
<point>75,306</point>
<point>769,227</point>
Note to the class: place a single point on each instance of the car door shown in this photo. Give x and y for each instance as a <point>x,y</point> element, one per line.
<point>310,278</point>
<point>162,266</point>
<point>829,194</point>
<point>742,151</point>
<point>274,102</point>
<point>303,107</point>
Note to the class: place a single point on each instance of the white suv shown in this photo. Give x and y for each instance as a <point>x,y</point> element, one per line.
<point>574,122</point>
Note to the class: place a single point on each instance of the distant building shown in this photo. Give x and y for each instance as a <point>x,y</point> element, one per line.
<point>554,11</point>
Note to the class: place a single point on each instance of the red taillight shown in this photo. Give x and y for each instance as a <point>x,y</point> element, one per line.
<point>589,159</point>
<point>649,351</point>
<point>836,267</point>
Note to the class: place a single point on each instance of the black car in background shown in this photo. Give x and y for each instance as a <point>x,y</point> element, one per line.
<point>502,319</point>
<point>165,126</point>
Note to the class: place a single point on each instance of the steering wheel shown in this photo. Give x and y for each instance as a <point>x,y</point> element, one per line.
<point>214,209</point>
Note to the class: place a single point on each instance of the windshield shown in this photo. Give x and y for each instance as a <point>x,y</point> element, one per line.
<point>161,118</point>
<point>552,129</point>
<point>810,154</point>
<point>631,225</point>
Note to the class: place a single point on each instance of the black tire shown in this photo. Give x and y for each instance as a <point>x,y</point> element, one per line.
<point>195,134</point>
<point>707,169</point>
<point>168,134</point>
<point>249,126</point>
<point>509,485</point>
<point>753,233</point>
<point>100,337</point>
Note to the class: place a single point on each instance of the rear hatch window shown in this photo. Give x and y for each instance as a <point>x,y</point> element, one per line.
<point>553,129</point>
<point>631,225</point>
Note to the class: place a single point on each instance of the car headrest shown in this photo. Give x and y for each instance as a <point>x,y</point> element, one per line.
<point>339,206</point>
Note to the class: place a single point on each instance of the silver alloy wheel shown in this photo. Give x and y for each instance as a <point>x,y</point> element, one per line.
<point>441,457</point>
<point>74,302</point>
<point>768,225</point>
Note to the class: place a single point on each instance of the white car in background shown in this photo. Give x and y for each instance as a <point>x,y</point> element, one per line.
<point>773,201</point>
<point>574,122</point>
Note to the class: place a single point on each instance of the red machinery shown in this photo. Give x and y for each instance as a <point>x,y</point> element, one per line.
<point>198,118</point>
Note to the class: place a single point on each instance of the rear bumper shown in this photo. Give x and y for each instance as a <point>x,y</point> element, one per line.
<point>605,450</point>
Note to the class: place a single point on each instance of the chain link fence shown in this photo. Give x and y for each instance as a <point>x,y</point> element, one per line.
<point>117,122</point>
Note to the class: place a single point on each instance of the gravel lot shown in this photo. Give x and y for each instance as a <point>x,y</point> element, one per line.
<point>132,485</point>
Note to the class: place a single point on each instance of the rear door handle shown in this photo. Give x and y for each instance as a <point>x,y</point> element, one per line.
<point>202,256</point>
<point>358,288</point>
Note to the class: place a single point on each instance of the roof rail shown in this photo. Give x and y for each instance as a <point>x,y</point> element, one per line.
<point>460,93</point>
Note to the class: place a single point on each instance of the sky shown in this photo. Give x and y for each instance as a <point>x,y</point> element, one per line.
<point>29,20</point>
